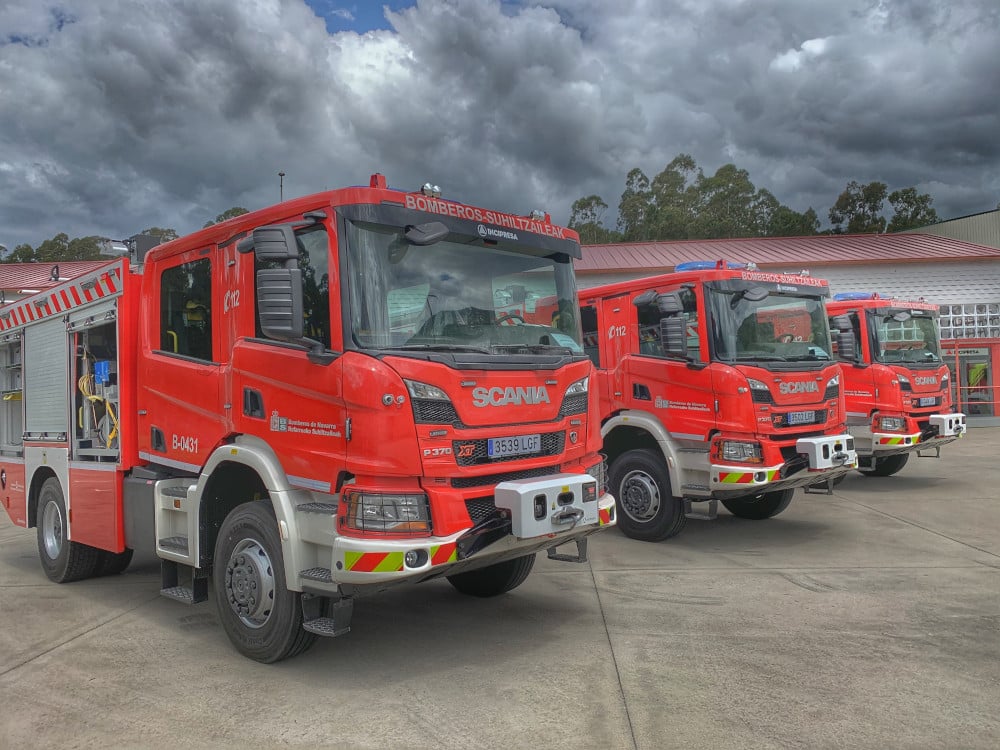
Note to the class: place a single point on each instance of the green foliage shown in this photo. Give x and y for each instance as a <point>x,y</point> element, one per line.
<point>858,210</point>
<point>163,235</point>
<point>227,214</point>
<point>912,210</point>
<point>586,217</point>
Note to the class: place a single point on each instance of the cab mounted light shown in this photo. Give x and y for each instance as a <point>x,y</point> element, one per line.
<point>431,191</point>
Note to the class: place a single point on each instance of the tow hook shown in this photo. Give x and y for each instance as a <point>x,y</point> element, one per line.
<point>579,557</point>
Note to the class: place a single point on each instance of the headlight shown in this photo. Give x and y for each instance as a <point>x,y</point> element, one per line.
<point>423,390</point>
<point>740,450</point>
<point>891,424</point>
<point>759,392</point>
<point>904,383</point>
<point>835,380</point>
<point>579,387</point>
<point>944,380</point>
<point>374,511</point>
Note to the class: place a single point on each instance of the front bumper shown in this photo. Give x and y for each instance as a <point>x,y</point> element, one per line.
<point>819,459</point>
<point>944,429</point>
<point>385,561</point>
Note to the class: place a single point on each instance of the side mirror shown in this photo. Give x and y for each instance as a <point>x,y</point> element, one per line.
<point>673,336</point>
<point>273,243</point>
<point>846,346</point>
<point>669,304</point>
<point>841,323</point>
<point>279,303</point>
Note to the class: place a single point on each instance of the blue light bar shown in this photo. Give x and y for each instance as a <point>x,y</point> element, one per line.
<point>843,296</point>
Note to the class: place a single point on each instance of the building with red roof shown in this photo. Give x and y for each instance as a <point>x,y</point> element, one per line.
<point>18,280</point>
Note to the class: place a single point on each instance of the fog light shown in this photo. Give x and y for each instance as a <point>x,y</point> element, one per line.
<point>415,558</point>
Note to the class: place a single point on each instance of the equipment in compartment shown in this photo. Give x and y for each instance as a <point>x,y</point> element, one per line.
<point>97,385</point>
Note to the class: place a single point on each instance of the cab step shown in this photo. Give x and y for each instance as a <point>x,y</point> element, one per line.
<point>175,544</point>
<point>170,586</point>
<point>702,515</point>
<point>327,618</point>
<point>323,575</point>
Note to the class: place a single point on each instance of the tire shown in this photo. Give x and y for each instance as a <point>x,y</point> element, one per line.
<point>262,618</point>
<point>112,563</point>
<point>759,507</point>
<point>886,467</point>
<point>62,560</point>
<point>494,580</point>
<point>647,509</point>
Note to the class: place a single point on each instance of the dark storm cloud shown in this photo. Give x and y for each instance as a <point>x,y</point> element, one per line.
<point>121,114</point>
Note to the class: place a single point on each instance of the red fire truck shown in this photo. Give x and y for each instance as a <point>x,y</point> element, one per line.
<point>897,386</point>
<point>305,404</point>
<point>704,399</point>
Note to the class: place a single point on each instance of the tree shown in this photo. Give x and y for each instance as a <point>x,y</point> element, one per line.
<point>163,235</point>
<point>227,214</point>
<point>634,207</point>
<point>912,210</point>
<point>724,205</point>
<point>585,218</point>
<point>860,207</point>
<point>675,199</point>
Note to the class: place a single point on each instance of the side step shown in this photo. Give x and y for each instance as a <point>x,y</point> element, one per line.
<point>702,515</point>
<point>327,618</point>
<point>171,587</point>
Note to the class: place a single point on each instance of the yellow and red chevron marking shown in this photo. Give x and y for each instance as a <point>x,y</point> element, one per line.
<point>897,441</point>
<point>64,298</point>
<point>744,477</point>
<point>603,516</point>
<point>444,553</point>
<point>373,562</point>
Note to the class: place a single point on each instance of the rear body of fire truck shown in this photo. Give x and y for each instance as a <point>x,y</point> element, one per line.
<point>896,384</point>
<point>312,402</point>
<point>716,384</point>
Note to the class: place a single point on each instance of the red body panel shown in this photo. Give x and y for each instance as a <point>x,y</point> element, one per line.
<point>95,507</point>
<point>12,490</point>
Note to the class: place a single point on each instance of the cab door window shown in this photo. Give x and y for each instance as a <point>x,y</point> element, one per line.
<point>649,326</point>
<point>186,310</point>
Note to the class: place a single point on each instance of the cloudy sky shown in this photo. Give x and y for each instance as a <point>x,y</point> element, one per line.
<point>117,115</point>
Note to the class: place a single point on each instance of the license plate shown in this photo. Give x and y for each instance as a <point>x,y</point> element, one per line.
<point>928,401</point>
<point>519,445</point>
<point>801,417</point>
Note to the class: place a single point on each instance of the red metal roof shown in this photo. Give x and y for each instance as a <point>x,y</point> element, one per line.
<point>784,252</point>
<point>16,277</point>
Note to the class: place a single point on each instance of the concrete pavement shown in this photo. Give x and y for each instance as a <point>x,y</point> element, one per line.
<point>866,619</point>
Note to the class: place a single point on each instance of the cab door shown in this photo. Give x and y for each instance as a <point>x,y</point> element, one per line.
<point>614,331</point>
<point>677,389</point>
<point>181,412</point>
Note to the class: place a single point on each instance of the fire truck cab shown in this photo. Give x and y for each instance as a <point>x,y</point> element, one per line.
<point>307,403</point>
<point>896,384</point>
<point>716,384</point>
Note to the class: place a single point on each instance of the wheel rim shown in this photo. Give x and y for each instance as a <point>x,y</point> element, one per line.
<point>640,496</point>
<point>52,530</point>
<point>250,583</point>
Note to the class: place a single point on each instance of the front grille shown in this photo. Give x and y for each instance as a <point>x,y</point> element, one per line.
<point>480,508</point>
<point>576,404</point>
<point>761,396</point>
<point>473,452</point>
<point>510,476</point>
<point>434,411</point>
<point>832,391</point>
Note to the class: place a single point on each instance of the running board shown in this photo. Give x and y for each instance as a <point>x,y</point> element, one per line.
<point>710,515</point>
<point>326,618</point>
<point>171,587</point>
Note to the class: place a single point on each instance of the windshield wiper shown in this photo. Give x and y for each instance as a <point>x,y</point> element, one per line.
<point>534,348</point>
<point>758,358</point>
<point>441,348</point>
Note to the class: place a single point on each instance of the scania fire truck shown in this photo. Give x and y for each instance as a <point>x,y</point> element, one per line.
<point>716,384</point>
<point>896,384</point>
<point>305,404</point>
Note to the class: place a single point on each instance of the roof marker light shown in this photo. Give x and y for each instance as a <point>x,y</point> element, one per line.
<point>431,191</point>
<point>537,215</point>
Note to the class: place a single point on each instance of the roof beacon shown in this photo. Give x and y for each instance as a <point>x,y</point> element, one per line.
<point>538,215</point>
<point>840,296</point>
<point>431,191</point>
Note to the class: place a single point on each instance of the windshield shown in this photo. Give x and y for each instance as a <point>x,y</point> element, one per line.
<point>901,336</point>
<point>451,296</point>
<point>781,327</point>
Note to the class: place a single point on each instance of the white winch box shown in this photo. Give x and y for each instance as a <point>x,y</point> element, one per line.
<point>948,424</point>
<point>549,504</point>
<point>829,451</point>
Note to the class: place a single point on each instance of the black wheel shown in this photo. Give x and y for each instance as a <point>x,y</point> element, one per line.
<point>886,467</point>
<point>648,511</point>
<point>759,507</point>
<point>494,580</point>
<point>261,616</point>
<point>62,560</point>
<point>112,563</point>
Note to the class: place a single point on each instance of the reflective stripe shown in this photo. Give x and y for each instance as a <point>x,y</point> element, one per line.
<point>604,516</point>
<point>373,562</point>
<point>444,553</point>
